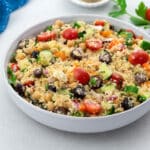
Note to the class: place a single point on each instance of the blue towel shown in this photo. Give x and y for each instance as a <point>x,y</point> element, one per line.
<point>6,7</point>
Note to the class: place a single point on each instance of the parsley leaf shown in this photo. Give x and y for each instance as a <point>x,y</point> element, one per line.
<point>147,26</point>
<point>11,77</point>
<point>76,25</point>
<point>92,82</point>
<point>36,41</point>
<point>81,34</point>
<point>111,111</point>
<point>139,21</point>
<point>122,5</point>
<point>49,28</point>
<point>141,10</point>
<point>116,14</point>
<point>78,114</point>
<point>46,87</point>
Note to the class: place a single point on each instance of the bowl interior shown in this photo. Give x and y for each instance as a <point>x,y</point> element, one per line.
<point>39,27</point>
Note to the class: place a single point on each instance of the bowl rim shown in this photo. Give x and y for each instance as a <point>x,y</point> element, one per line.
<point>46,112</point>
<point>88,5</point>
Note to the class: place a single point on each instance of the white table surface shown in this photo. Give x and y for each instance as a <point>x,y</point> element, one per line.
<point>19,132</point>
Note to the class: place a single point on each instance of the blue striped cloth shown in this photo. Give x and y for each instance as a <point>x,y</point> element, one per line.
<point>6,7</point>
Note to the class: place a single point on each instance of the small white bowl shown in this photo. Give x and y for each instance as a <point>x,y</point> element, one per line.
<point>70,123</point>
<point>90,5</point>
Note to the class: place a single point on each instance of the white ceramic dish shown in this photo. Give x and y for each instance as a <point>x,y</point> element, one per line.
<point>69,123</point>
<point>89,5</point>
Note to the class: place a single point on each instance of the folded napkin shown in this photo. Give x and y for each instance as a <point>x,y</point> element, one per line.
<point>6,7</point>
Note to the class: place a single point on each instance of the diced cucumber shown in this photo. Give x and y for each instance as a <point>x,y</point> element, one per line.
<point>45,57</point>
<point>108,87</point>
<point>127,36</point>
<point>89,33</point>
<point>142,98</point>
<point>145,45</point>
<point>105,71</point>
<point>131,89</point>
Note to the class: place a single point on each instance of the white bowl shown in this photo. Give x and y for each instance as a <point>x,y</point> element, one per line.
<point>69,123</point>
<point>90,5</point>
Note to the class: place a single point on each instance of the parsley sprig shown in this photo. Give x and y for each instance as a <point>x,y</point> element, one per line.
<point>139,20</point>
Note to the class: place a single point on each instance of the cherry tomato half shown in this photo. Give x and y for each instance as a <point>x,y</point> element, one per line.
<point>118,79</point>
<point>70,34</point>
<point>148,14</point>
<point>46,36</point>
<point>99,23</point>
<point>94,44</point>
<point>29,83</point>
<point>14,67</point>
<point>138,57</point>
<point>81,75</point>
<point>90,107</point>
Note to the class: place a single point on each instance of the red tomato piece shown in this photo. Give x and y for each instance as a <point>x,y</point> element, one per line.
<point>94,44</point>
<point>46,36</point>
<point>99,23</point>
<point>148,14</point>
<point>118,79</point>
<point>81,75</point>
<point>90,107</point>
<point>14,67</point>
<point>138,57</point>
<point>29,83</point>
<point>82,107</point>
<point>70,34</point>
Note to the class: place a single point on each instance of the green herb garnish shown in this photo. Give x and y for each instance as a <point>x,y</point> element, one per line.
<point>76,25</point>
<point>139,20</point>
<point>81,34</point>
<point>11,77</point>
<point>46,87</point>
<point>36,41</point>
<point>92,82</point>
<point>78,114</point>
<point>24,70</point>
<point>122,5</point>
<point>13,57</point>
<point>111,111</point>
<point>49,28</point>
<point>141,10</point>
<point>71,95</point>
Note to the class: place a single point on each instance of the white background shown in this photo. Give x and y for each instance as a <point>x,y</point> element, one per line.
<point>18,132</point>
